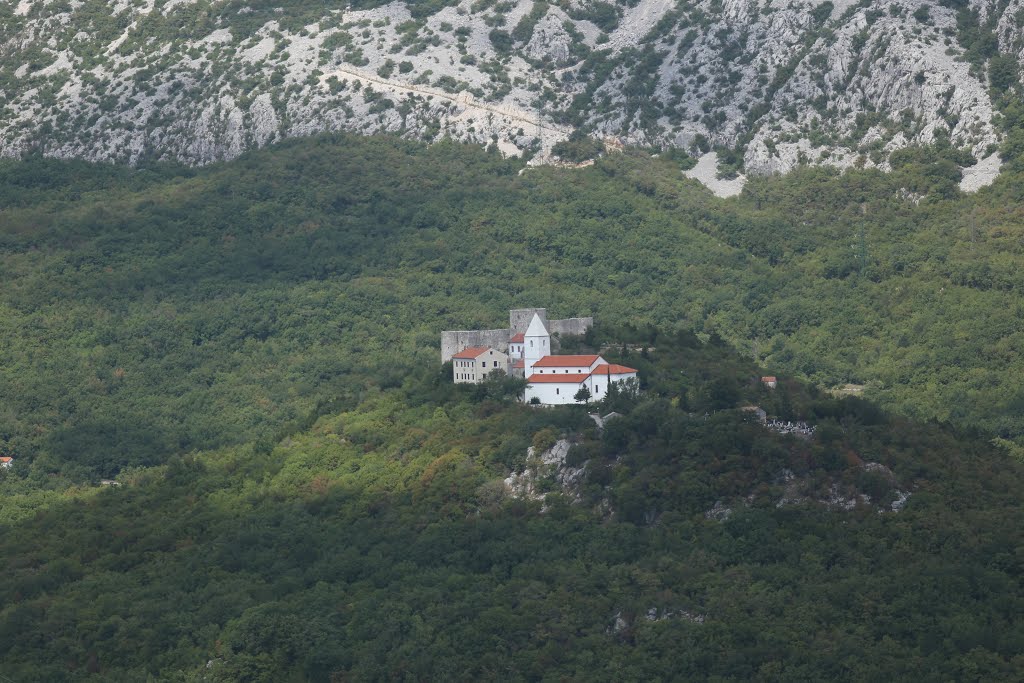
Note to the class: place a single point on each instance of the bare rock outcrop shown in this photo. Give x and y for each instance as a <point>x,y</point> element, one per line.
<point>787,82</point>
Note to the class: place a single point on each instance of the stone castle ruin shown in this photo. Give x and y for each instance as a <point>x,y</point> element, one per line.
<point>453,341</point>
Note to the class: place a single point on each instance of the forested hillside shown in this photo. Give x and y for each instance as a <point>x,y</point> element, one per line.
<point>152,312</point>
<point>250,350</point>
<point>381,544</point>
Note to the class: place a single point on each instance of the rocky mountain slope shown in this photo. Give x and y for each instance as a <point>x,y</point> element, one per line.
<point>781,82</point>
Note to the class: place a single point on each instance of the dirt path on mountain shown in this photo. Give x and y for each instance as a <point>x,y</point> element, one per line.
<point>547,132</point>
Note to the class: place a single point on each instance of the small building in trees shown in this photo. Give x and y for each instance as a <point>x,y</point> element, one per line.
<point>552,379</point>
<point>472,365</point>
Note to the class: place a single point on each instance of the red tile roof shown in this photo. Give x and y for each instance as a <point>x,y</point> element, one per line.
<point>471,352</point>
<point>566,361</point>
<point>517,339</point>
<point>770,378</point>
<point>558,379</point>
<point>612,369</point>
<point>6,458</point>
<point>519,363</point>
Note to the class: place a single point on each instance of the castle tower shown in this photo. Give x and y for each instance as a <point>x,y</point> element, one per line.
<point>536,344</point>
<point>520,318</point>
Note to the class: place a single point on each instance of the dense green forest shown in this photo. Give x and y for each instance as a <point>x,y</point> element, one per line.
<point>251,350</point>
<point>156,311</point>
<point>381,544</point>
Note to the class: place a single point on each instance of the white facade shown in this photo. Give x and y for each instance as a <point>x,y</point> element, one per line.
<point>553,393</point>
<point>536,344</point>
<point>603,376</point>
<point>561,388</point>
<point>515,347</point>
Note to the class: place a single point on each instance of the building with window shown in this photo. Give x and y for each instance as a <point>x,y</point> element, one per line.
<point>515,346</point>
<point>472,365</point>
<point>555,379</point>
<point>560,385</point>
<point>552,379</point>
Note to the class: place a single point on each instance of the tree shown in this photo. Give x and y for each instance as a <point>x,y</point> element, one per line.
<point>583,395</point>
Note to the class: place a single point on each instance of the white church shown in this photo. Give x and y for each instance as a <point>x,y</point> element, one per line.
<point>552,379</point>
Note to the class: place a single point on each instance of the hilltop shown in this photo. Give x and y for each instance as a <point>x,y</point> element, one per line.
<point>156,311</point>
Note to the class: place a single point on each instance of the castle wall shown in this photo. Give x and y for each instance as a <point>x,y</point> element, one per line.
<point>573,326</point>
<point>453,341</point>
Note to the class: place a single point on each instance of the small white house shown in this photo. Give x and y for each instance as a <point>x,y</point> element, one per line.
<point>515,346</point>
<point>472,365</point>
<point>605,375</point>
<point>6,462</point>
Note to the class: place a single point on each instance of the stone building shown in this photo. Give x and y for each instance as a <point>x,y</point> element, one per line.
<point>552,379</point>
<point>519,319</point>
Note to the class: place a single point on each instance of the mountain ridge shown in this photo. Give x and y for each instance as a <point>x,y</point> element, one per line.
<point>780,84</point>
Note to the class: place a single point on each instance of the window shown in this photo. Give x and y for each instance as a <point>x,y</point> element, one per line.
<point>531,343</point>
<point>558,391</point>
<point>597,388</point>
<point>495,363</point>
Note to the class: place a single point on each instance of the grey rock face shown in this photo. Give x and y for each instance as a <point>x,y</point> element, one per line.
<point>789,81</point>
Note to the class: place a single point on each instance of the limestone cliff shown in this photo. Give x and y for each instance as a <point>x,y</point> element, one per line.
<point>785,82</point>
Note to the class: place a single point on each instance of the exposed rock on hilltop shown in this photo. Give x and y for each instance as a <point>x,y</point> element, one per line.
<point>786,82</point>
